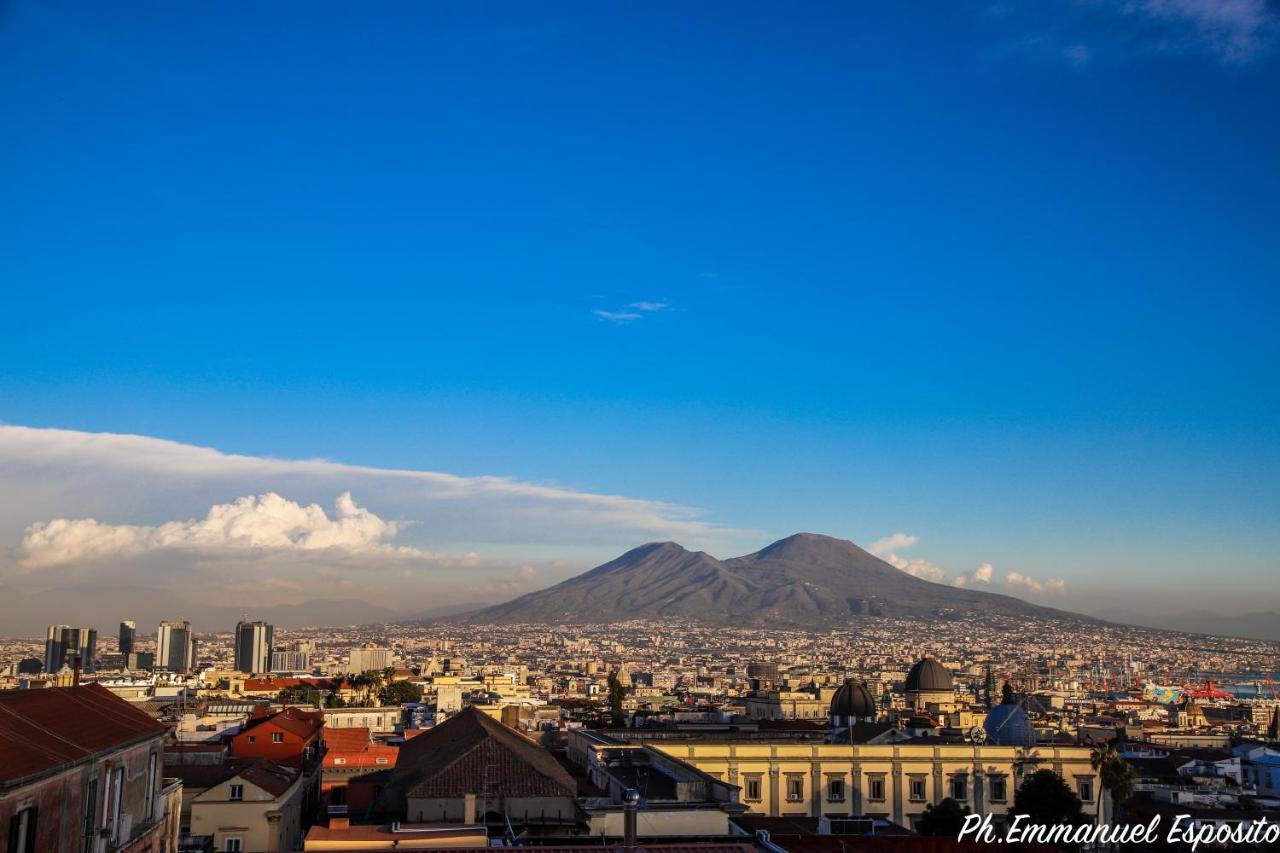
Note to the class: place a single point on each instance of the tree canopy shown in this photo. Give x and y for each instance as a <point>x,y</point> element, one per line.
<point>945,819</point>
<point>1045,799</point>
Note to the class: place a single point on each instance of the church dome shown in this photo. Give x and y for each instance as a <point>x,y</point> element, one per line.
<point>929,676</point>
<point>1008,725</point>
<point>853,699</point>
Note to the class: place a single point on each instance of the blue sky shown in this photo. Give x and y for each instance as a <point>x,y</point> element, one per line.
<point>997,276</point>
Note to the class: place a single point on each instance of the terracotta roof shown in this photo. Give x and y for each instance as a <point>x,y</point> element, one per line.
<point>258,685</point>
<point>346,740</point>
<point>273,778</point>
<point>43,730</point>
<point>302,723</point>
<point>450,759</point>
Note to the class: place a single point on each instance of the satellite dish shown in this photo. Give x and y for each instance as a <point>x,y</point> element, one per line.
<point>978,734</point>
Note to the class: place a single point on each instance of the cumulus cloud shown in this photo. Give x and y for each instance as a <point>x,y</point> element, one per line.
<point>891,543</point>
<point>1021,581</point>
<point>982,574</point>
<point>137,478</point>
<point>918,567</point>
<point>161,518</point>
<point>259,523</point>
<point>885,549</point>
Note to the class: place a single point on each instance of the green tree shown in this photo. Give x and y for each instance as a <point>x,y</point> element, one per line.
<point>1115,774</point>
<point>400,692</point>
<point>944,819</point>
<point>616,691</point>
<point>299,695</point>
<point>1046,800</point>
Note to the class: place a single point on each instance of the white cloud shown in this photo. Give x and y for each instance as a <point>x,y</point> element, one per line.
<point>920,568</point>
<point>633,311</point>
<point>618,316</point>
<point>885,549</point>
<point>1021,581</point>
<point>892,543</point>
<point>982,574</point>
<point>135,512</point>
<point>249,524</point>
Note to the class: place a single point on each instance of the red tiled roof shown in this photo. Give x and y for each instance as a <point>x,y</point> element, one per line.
<point>346,740</point>
<point>274,685</point>
<point>450,760</point>
<point>42,730</point>
<point>296,721</point>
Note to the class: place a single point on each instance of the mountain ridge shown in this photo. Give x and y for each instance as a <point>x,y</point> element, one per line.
<point>803,579</point>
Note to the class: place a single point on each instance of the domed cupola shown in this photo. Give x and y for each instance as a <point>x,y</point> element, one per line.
<point>852,703</point>
<point>929,681</point>
<point>1008,725</point>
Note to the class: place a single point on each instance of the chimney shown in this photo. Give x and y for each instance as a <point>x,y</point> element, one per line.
<point>630,800</point>
<point>339,823</point>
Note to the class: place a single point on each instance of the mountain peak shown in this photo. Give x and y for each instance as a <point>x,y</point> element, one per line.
<point>810,547</point>
<point>806,579</point>
<point>654,549</point>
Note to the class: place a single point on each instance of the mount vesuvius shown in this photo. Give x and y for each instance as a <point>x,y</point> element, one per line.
<point>804,580</point>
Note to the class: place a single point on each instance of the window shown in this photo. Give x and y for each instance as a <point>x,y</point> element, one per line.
<point>381,759</point>
<point>999,789</point>
<point>959,788</point>
<point>835,789</point>
<point>115,790</point>
<point>90,813</point>
<point>277,737</point>
<point>1084,790</point>
<point>339,761</point>
<point>795,787</point>
<point>253,738</point>
<point>150,807</point>
<point>237,792</point>
<point>232,845</point>
<point>753,788</point>
<point>22,831</point>
<point>875,788</point>
<point>915,789</point>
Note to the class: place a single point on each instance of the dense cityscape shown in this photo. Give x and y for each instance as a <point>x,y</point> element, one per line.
<point>431,735</point>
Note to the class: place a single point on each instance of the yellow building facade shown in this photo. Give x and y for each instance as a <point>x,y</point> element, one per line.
<point>892,781</point>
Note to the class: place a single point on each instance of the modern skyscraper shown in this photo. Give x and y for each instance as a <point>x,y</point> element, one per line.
<point>128,631</point>
<point>253,647</point>
<point>55,652</point>
<point>368,657</point>
<point>175,647</point>
<point>64,645</point>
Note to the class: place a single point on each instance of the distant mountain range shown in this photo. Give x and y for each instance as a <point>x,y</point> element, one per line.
<point>804,580</point>
<point>1260,625</point>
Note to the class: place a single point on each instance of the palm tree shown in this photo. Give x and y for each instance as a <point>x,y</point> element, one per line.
<point>1115,775</point>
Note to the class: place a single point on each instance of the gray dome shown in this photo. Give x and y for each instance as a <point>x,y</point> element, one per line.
<point>1008,725</point>
<point>929,675</point>
<point>853,699</point>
